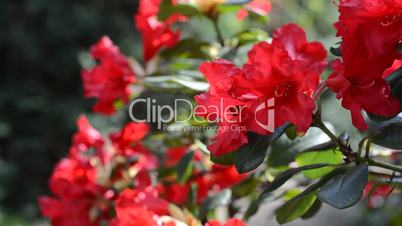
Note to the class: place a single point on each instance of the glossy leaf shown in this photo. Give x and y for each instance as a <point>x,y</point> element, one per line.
<point>185,167</point>
<point>314,209</point>
<point>389,136</point>
<point>295,208</point>
<point>167,9</point>
<point>251,155</point>
<point>285,176</point>
<point>345,190</point>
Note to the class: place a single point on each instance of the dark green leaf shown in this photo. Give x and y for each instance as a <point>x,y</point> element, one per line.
<point>295,208</point>
<point>220,199</point>
<point>285,176</point>
<point>186,48</point>
<point>251,155</point>
<point>394,77</point>
<point>246,187</point>
<point>225,159</point>
<point>185,167</point>
<point>389,136</point>
<point>291,132</point>
<point>167,9</point>
<point>313,210</point>
<point>345,190</point>
<point>336,51</point>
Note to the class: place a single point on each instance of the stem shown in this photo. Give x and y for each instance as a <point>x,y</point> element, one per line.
<point>320,90</point>
<point>385,165</point>
<point>218,31</point>
<point>368,145</point>
<point>327,131</point>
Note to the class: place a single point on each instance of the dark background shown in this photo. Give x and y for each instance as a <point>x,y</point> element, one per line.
<point>40,86</point>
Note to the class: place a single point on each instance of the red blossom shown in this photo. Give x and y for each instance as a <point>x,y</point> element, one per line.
<point>109,80</point>
<point>127,143</point>
<point>175,154</point>
<point>395,66</point>
<point>376,193</point>
<point>139,207</point>
<point>84,139</point>
<point>370,31</point>
<point>260,7</point>
<point>284,73</point>
<point>217,179</point>
<point>230,222</point>
<point>77,196</point>
<point>155,34</point>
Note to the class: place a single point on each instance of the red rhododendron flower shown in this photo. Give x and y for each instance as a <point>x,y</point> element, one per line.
<point>370,31</point>
<point>260,7</point>
<point>68,212</point>
<point>217,179</point>
<point>155,34</point>
<point>77,196</point>
<point>175,154</point>
<point>395,66</point>
<point>127,143</point>
<point>230,222</point>
<point>282,75</point>
<point>139,207</point>
<point>85,138</point>
<point>376,194</point>
<point>108,81</point>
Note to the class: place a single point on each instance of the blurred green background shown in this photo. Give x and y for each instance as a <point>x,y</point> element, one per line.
<point>41,93</point>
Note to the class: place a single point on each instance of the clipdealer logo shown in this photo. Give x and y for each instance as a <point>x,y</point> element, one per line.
<point>162,114</point>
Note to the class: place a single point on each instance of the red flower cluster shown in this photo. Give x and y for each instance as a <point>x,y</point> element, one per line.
<point>104,175</point>
<point>85,183</point>
<point>370,31</point>
<point>139,207</point>
<point>155,34</point>
<point>230,222</point>
<point>109,80</point>
<point>260,7</point>
<point>282,75</point>
<point>376,193</point>
<point>214,179</point>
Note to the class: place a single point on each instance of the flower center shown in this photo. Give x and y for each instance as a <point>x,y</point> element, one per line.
<point>283,89</point>
<point>391,19</point>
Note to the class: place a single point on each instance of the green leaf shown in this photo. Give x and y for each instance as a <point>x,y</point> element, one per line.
<point>336,51</point>
<point>220,199</point>
<point>252,36</point>
<point>291,132</point>
<point>314,157</point>
<point>313,210</point>
<point>185,167</point>
<point>295,208</point>
<point>285,176</point>
<point>246,187</point>
<point>187,48</point>
<point>167,9</point>
<point>225,159</point>
<point>389,136</point>
<point>283,151</point>
<point>345,190</point>
<point>251,155</point>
